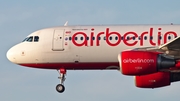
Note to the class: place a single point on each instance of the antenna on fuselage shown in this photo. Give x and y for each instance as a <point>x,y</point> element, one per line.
<point>66,23</point>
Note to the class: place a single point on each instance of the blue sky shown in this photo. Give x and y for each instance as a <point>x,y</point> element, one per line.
<point>21,17</point>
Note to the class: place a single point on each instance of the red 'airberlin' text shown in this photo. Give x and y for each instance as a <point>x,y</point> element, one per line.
<point>107,33</point>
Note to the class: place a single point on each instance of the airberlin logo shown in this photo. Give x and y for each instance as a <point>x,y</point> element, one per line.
<point>129,38</point>
<point>138,60</point>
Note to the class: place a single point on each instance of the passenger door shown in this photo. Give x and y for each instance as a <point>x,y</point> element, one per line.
<point>58,40</point>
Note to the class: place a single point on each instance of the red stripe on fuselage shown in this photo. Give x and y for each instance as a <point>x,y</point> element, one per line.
<point>74,66</point>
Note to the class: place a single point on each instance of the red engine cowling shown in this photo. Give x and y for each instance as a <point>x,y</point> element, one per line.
<point>155,80</point>
<point>143,62</point>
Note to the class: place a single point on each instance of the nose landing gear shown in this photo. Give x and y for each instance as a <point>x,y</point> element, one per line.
<point>60,87</point>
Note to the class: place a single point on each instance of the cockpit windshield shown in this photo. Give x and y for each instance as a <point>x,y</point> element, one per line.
<point>36,38</point>
<point>24,40</point>
<point>31,39</point>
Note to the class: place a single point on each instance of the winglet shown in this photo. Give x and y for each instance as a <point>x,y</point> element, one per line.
<point>66,23</point>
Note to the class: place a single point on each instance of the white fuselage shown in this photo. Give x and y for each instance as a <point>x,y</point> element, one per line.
<point>87,47</point>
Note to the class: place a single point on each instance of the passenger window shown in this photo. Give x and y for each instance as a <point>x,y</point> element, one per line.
<point>110,38</point>
<point>128,38</point>
<point>69,38</point>
<point>99,38</point>
<point>169,37</point>
<point>36,38</point>
<point>30,39</point>
<point>81,38</point>
<point>116,38</point>
<point>66,38</point>
<point>160,37</point>
<point>151,38</point>
<point>134,37</point>
<point>145,38</point>
<point>87,38</point>
<point>93,38</point>
<point>104,37</point>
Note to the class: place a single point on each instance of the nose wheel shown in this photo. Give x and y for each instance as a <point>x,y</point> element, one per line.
<point>60,87</point>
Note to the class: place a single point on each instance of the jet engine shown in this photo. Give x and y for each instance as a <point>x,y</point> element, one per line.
<point>144,62</point>
<point>156,80</point>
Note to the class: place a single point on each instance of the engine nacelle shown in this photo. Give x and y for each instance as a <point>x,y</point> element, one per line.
<point>143,62</point>
<point>155,80</point>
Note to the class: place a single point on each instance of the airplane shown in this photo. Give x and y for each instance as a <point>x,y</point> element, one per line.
<point>150,53</point>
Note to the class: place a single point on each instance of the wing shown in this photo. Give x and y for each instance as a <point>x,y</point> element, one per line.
<point>171,48</point>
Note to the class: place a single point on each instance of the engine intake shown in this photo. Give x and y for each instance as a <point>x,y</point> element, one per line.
<point>143,62</point>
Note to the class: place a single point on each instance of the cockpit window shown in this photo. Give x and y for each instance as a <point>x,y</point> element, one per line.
<point>36,38</point>
<point>24,39</point>
<point>30,39</point>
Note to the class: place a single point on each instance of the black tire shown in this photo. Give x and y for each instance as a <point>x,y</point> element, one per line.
<point>60,88</point>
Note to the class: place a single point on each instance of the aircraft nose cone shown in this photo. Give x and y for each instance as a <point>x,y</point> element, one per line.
<point>11,55</point>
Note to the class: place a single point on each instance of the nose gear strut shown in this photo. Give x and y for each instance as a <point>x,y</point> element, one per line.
<point>60,87</point>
